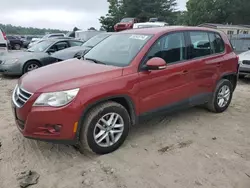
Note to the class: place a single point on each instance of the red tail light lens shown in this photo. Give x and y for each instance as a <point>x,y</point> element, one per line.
<point>4,36</point>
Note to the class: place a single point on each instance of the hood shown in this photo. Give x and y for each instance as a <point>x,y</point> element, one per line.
<point>69,53</point>
<point>244,56</point>
<point>67,75</point>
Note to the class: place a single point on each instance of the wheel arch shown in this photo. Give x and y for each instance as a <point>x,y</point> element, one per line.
<point>124,100</point>
<point>31,60</point>
<point>232,77</point>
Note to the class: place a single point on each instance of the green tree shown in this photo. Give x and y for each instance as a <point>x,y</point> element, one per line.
<point>141,9</point>
<point>218,11</point>
<point>18,30</point>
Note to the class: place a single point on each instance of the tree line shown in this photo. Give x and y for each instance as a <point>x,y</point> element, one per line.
<point>18,30</point>
<point>197,12</point>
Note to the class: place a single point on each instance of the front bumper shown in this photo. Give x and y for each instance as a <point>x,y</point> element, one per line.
<point>38,122</point>
<point>11,69</point>
<point>244,70</point>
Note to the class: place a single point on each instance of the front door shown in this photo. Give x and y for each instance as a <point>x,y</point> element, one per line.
<point>169,87</point>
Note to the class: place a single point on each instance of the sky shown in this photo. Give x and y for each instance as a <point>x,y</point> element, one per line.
<point>56,14</point>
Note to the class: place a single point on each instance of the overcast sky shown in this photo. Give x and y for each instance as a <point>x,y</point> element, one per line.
<point>61,14</point>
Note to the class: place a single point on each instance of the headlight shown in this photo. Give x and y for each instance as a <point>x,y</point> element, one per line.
<point>10,61</point>
<point>56,99</point>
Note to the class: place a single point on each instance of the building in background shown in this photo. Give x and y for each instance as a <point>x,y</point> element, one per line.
<point>228,28</point>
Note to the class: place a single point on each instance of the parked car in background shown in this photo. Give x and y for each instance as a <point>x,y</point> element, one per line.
<point>15,43</point>
<point>53,35</point>
<point>125,23</point>
<point>26,41</point>
<point>37,56</point>
<point>3,41</point>
<point>34,41</point>
<point>149,24</point>
<point>132,74</point>
<point>48,36</point>
<point>86,35</point>
<point>79,51</point>
<point>244,62</point>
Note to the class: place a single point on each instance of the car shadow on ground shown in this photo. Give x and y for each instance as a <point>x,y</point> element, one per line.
<point>245,80</point>
<point>147,127</point>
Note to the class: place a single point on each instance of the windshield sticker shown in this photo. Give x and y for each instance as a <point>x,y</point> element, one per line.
<point>139,37</point>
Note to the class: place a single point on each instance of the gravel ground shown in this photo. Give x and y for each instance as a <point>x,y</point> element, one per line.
<point>188,149</point>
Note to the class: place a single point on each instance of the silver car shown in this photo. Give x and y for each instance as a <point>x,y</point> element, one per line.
<point>244,62</point>
<point>18,63</point>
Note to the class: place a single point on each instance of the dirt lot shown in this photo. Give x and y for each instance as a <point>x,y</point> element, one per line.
<point>188,149</point>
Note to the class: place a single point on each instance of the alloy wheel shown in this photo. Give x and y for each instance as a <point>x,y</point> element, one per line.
<point>108,129</point>
<point>223,96</point>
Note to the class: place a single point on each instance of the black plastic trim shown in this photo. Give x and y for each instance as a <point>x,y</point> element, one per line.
<point>130,102</point>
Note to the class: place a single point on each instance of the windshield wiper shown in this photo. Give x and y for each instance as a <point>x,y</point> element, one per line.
<point>95,61</point>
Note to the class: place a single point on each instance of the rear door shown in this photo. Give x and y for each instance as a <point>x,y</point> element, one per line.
<point>207,58</point>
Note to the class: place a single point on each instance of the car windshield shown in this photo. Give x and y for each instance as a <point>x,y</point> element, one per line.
<point>41,46</point>
<point>126,20</point>
<point>95,40</point>
<point>118,49</point>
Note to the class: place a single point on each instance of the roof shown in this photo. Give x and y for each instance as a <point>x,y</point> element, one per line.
<point>160,30</point>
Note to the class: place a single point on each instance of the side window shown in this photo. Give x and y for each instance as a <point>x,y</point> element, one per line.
<point>219,44</point>
<point>171,48</point>
<point>75,43</point>
<point>200,44</point>
<point>60,46</point>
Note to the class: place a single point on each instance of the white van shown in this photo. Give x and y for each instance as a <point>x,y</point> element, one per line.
<point>150,24</point>
<point>3,41</point>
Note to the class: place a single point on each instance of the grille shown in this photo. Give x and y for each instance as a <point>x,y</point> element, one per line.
<point>246,62</point>
<point>20,96</point>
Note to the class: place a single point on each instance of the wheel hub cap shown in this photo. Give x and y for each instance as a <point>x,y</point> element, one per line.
<point>108,129</point>
<point>223,96</point>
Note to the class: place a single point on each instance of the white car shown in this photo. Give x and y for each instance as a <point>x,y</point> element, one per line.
<point>244,62</point>
<point>48,36</point>
<point>149,24</point>
<point>3,41</point>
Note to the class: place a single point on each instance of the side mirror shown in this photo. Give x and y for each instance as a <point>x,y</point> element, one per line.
<point>156,63</point>
<point>248,48</point>
<point>51,50</point>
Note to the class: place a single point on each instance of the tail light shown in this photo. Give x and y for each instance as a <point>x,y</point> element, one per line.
<point>4,36</point>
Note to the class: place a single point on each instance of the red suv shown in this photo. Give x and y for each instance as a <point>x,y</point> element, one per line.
<point>132,74</point>
<point>125,23</point>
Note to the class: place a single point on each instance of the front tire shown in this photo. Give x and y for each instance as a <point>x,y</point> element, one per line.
<point>29,66</point>
<point>105,128</point>
<point>222,97</point>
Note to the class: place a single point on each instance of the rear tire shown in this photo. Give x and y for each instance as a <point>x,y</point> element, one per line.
<point>17,46</point>
<point>31,65</point>
<point>105,139</point>
<point>222,97</point>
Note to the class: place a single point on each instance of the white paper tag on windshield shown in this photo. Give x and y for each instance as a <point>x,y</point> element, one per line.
<point>139,37</point>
